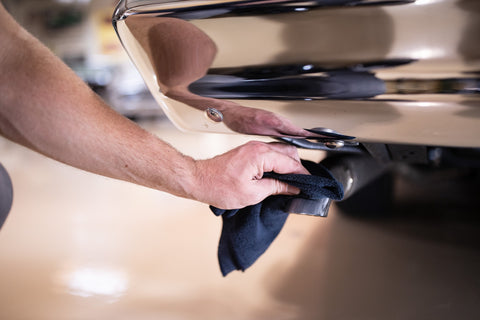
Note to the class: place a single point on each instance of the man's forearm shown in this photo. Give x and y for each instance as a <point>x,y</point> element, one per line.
<point>46,107</point>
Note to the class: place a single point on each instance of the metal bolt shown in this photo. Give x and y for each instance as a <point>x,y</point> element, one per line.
<point>214,115</point>
<point>334,144</point>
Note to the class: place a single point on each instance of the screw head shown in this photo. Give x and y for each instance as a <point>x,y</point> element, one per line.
<point>214,115</point>
<point>334,144</point>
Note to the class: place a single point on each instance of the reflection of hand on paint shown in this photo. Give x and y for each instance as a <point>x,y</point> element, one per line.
<point>260,122</point>
<point>242,119</point>
<point>180,54</point>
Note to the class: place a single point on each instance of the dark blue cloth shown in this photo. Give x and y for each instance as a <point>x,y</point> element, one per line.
<point>248,232</point>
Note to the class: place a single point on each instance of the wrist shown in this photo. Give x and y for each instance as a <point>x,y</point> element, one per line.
<point>187,178</point>
<point>195,181</point>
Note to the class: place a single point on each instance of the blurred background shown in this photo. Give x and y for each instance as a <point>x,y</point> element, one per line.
<point>80,32</point>
<point>80,246</point>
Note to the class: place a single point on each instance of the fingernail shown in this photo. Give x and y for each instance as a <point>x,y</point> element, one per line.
<point>293,190</point>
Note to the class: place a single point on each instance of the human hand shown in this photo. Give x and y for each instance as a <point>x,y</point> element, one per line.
<point>258,122</point>
<point>234,179</point>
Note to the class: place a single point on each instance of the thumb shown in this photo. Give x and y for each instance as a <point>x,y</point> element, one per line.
<point>276,187</point>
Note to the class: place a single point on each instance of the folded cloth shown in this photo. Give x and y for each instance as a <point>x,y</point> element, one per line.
<point>248,232</point>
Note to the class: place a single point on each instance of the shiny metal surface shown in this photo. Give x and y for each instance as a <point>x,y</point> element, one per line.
<point>214,115</point>
<point>354,171</point>
<point>382,71</point>
<point>318,208</point>
<point>324,144</point>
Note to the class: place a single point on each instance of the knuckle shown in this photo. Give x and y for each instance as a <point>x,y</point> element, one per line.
<point>292,149</point>
<point>258,146</point>
<point>278,187</point>
<point>253,144</point>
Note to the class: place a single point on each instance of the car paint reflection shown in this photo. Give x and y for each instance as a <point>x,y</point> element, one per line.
<point>230,56</point>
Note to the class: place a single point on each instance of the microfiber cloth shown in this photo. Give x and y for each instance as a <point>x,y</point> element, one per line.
<point>248,232</point>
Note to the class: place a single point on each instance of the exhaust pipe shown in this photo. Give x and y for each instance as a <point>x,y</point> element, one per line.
<point>353,171</point>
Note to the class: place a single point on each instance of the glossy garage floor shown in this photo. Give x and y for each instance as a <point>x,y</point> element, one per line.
<point>80,246</point>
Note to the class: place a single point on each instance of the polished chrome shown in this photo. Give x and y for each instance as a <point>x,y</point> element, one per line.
<point>214,115</point>
<point>329,133</point>
<point>309,207</point>
<point>335,144</point>
<point>354,171</point>
<point>323,144</point>
<point>379,71</point>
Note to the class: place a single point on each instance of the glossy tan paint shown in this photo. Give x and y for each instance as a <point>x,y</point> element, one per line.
<point>339,36</point>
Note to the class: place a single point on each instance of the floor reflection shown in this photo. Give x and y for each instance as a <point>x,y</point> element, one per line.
<point>78,246</point>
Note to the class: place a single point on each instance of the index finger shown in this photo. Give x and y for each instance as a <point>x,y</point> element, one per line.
<point>282,163</point>
<point>286,149</point>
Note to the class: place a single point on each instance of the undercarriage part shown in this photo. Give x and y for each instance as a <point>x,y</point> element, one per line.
<point>456,157</point>
<point>367,177</point>
<point>424,155</point>
<point>398,153</point>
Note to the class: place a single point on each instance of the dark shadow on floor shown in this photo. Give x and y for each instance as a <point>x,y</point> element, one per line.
<point>419,260</point>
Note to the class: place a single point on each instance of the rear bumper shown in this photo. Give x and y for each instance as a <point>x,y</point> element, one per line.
<point>392,74</point>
